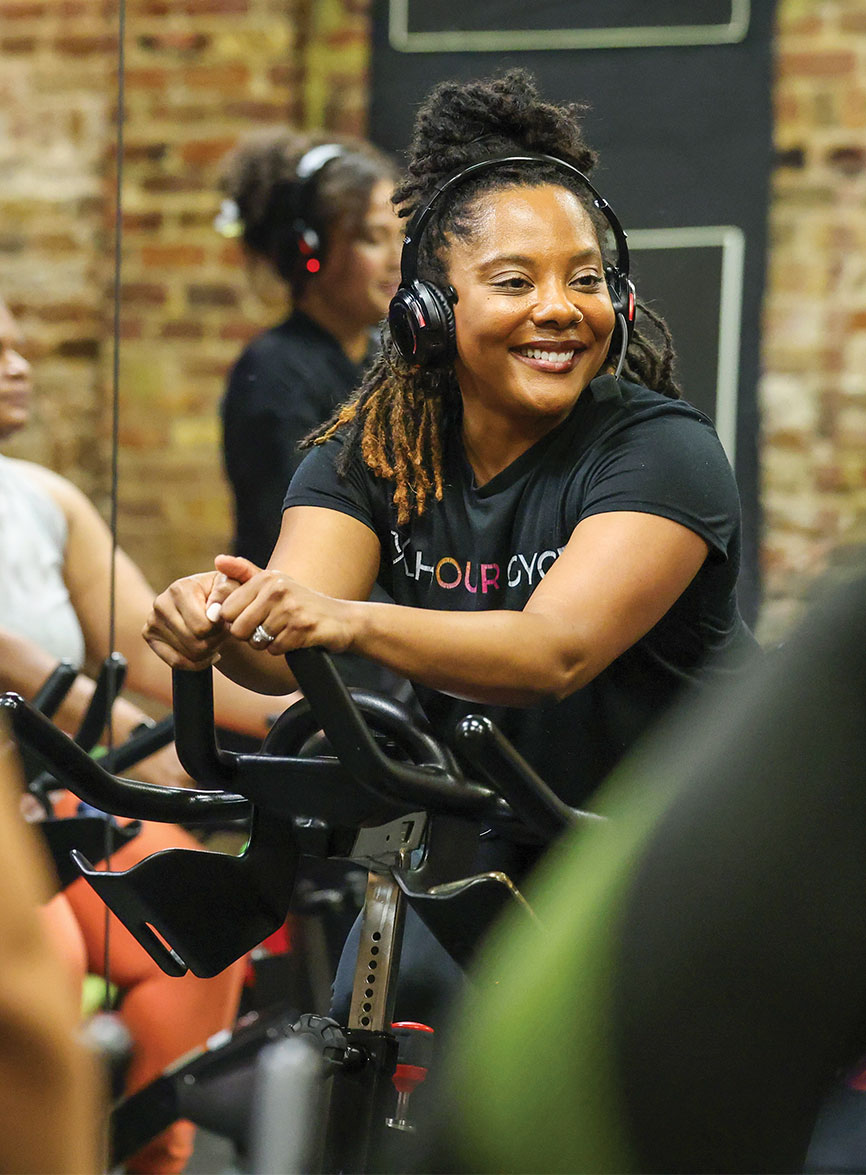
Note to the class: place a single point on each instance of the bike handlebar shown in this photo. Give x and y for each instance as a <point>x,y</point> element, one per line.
<point>403,785</point>
<point>73,767</point>
<point>278,781</point>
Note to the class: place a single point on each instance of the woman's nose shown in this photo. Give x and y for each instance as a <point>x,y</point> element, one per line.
<point>15,366</point>
<point>555,304</point>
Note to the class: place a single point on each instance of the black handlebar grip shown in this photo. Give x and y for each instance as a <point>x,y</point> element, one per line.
<point>55,688</point>
<point>195,735</point>
<point>109,683</point>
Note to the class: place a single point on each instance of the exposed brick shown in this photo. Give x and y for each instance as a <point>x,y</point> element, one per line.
<point>182,329</point>
<point>17,45</point>
<point>29,10</point>
<point>140,152</point>
<point>853,21</point>
<point>143,293</point>
<point>158,256</point>
<point>835,63</point>
<point>182,44</point>
<point>85,46</point>
<point>216,7</point>
<point>146,78</point>
<point>79,348</point>
<point>64,312</point>
<point>791,157</point>
<point>240,332</point>
<point>134,222</point>
<point>257,111</point>
<point>229,76</point>
<point>280,75</point>
<point>12,242</point>
<point>55,243</point>
<point>204,151</point>
<point>171,183</point>
<point>211,295</point>
<point>849,160</point>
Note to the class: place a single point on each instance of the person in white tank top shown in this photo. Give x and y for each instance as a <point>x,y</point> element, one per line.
<point>55,560</point>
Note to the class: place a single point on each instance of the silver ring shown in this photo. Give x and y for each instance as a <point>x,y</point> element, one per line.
<point>261,637</point>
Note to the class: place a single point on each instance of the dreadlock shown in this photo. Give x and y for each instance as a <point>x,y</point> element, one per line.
<point>400,420</point>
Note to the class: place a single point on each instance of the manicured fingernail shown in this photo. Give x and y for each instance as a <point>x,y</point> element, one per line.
<point>213,612</point>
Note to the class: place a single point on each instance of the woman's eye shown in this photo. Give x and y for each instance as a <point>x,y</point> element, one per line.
<point>588,281</point>
<point>511,283</point>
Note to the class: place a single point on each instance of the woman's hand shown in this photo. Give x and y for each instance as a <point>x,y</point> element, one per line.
<point>181,628</point>
<point>272,612</point>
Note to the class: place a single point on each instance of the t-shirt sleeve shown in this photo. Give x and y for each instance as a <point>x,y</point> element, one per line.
<point>317,483</point>
<point>673,466</point>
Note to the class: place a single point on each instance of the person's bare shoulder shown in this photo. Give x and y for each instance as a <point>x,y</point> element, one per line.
<point>68,497</point>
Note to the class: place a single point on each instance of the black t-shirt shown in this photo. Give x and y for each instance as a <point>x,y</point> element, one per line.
<point>285,383</point>
<point>489,547</point>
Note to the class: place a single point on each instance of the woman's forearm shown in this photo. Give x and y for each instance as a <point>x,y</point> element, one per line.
<point>499,658</point>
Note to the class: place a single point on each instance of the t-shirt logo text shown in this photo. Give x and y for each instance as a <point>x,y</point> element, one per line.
<point>449,572</point>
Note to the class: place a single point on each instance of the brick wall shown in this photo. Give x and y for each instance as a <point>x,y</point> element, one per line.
<point>199,74</point>
<point>202,72</point>
<point>813,392</point>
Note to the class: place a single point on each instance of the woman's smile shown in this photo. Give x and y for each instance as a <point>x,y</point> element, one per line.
<point>555,358</point>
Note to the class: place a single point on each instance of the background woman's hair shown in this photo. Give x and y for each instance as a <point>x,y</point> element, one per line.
<point>402,416</point>
<point>260,176</point>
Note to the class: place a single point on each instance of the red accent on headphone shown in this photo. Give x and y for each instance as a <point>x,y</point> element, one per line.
<point>313,266</point>
<point>631,306</point>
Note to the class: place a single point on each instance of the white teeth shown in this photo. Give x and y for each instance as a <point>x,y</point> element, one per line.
<point>547,356</point>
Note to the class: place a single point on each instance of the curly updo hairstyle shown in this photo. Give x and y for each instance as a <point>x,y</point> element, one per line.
<point>401,417</point>
<point>260,176</point>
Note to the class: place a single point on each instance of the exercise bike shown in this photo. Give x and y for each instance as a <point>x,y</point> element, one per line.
<point>405,810</point>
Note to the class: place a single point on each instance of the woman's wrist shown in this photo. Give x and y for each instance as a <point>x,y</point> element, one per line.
<point>357,626</point>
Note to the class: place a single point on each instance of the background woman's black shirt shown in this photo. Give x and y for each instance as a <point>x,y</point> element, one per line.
<point>285,383</point>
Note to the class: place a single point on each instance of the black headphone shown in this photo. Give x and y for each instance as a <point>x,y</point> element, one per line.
<point>421,315</point>
<point>305,252</point>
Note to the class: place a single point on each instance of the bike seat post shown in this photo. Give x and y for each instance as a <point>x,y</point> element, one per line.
<point>374,988</point>
<point>362,1098</point>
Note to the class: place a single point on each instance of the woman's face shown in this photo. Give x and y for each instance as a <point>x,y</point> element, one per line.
<point>362,266</point>
<point>15,383</point>
<point>534,318</point>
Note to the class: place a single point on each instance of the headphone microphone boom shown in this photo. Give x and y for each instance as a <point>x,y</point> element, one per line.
<point>421,314</point>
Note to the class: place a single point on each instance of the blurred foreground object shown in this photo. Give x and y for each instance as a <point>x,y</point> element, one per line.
<point>49,1108</point>
<point>701,978</point>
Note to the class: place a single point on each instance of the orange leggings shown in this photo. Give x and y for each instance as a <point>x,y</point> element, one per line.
<point>166,1017</point>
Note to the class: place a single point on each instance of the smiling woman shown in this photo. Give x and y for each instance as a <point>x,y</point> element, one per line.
<point>559,531</point>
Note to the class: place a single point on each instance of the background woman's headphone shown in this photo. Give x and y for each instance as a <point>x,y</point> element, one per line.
<point>421,315</point>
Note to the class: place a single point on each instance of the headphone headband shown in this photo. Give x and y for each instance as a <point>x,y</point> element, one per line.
<point>415,231</point>
<point>316,158</point>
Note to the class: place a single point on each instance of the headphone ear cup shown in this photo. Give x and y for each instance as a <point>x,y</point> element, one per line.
<point>421,321</point>
<point>622,297</point>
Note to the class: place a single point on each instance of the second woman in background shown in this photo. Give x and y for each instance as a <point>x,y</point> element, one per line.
<point>317,213</point>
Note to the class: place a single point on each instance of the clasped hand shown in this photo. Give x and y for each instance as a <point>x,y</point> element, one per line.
<point>194,618</point>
